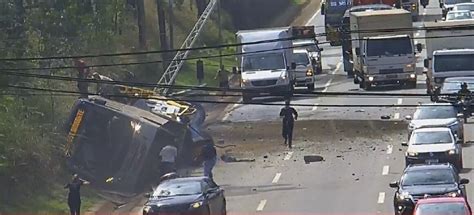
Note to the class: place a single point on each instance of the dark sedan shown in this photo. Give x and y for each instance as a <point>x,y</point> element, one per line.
<point>191,195</point>
<point>420,181</point>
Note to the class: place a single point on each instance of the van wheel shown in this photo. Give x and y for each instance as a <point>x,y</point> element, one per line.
<point>367,86</point>
<point>310,87</point>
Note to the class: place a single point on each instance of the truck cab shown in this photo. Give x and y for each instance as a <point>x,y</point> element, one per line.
<point>388,60</point>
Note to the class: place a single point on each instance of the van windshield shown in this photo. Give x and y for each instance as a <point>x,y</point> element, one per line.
<point>447,63</point>
<point>301,58</point>
<point>389,46</point>
<point>264,61</point>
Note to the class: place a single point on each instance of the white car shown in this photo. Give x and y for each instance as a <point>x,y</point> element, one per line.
<point>436,115</point>
<point>464,6</point>
<point>458,15</point>
<point>304,73</point>
<point>434,145</point>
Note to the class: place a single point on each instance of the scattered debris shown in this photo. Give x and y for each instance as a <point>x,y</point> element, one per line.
<point>339,156</point>
<point>312,158</point>
<point>350,148</point>
<point>400,150</point>
<point>357,179</point>
<point>265,156</point>
<point>385,117</point>
<point>227,158</point>
<point>360,111</point>
<point>353,174</point>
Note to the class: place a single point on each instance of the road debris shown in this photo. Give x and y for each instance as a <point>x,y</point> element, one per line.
<point>229,159</point>
<point>312,158</point>
<point>385,117</point>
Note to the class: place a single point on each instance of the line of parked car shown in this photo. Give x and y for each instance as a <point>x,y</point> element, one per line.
<point>430,183</point>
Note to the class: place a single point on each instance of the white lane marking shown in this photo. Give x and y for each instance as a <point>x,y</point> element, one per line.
<point>288,156</point>
<point>227,115</point>
<point>276,178</point>
<point>315,107</point>
<point>381,198</point>
<point>417,34</point>
<point>385,170</point>
<point>315,14</point>
<point>396,116</point>
<point>338,66</point>
<point>261,205</point>
<point>389,149</point>
<point>400,101</point>
<point>326,86</point>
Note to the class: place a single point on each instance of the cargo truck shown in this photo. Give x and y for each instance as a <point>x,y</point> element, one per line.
<point>346,34</point>
<point>266,68</point>
<point>383,53</point>
<point>449,51</point>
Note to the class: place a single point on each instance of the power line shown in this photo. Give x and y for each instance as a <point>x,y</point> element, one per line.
<point>454,27</point>
<point>206,57</point>
<point>75,93</point>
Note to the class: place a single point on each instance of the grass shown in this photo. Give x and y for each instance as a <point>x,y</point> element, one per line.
<point>52,202</point>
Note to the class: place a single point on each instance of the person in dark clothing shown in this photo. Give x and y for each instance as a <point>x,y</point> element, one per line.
<point>464,91</point>
<point>209,156</point>
<point>74,196</point>
<point>82,73</point>
<point>289,115</point>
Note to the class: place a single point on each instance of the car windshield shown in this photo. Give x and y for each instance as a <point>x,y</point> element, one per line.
<point>301,58</point>
<point>469,7</point>
<point>174,188</point>
<point>456,85</point>
<point>267,61</point>
<point>441,112</point>
<point>441,208</point>
<point>389,46</point>
<point>453,63</point>
<point>428,177</point>
<point>431,137</point>
<point>458,15</point>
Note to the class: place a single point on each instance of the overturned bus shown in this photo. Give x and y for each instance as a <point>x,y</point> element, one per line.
<point>116,146</point>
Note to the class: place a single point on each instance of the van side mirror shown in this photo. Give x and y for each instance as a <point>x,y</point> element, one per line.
<point>357,50</point>
<point>464,181</point>
<point>293,65</point>
<point>419,47</point>
<point>404,143</point>
<point>394,184</point>
<point>408,117</point>
<point>323,7</point>
<point>426,63</point>
<point>460,115</point>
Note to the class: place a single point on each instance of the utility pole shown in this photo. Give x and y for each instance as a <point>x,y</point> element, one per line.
<point>170,24</point>
<point>141,24</point>
<point>162,29</point>
<point>219,21</point>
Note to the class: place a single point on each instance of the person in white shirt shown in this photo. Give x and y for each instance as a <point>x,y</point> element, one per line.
<point>168,156</point>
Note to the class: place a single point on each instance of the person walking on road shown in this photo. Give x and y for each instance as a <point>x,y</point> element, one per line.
<point>223,77</point>
<point>82,73</point>
<point>289,115</point>
<point>209,156</point>
<point>168,158</point>
<point>74,196</point>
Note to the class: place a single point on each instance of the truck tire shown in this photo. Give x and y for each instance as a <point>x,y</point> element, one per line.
<point>246,98</point>
<point>356,80</point>
<point>366,86</point>
<point>310,87</point>
<point>411,84</point>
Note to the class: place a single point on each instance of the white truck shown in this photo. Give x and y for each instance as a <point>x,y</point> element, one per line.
<point>449,51</point>
<point>383,49</point>
<point>266,67</point>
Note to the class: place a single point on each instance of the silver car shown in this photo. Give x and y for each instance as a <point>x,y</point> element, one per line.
<point>436,115</point>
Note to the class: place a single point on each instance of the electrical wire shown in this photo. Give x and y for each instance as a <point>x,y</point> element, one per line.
<point>452,27</point>
<point>75,93</point>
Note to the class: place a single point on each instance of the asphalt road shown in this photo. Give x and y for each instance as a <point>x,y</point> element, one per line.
<point>334,79</point>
